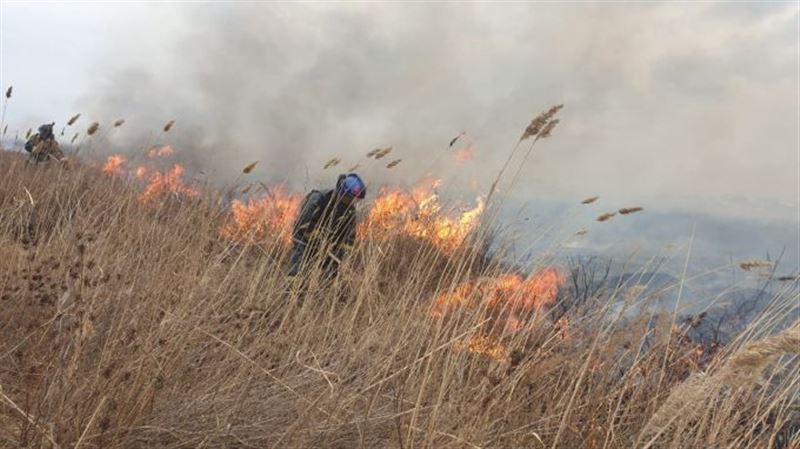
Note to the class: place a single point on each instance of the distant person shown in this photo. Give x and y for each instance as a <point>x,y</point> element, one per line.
<point>326,223</point>
<point>42,146</point>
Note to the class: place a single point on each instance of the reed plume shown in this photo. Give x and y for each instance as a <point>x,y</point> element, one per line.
<point>590,200</point>
<point>249,167</point>
<point>93,128</point>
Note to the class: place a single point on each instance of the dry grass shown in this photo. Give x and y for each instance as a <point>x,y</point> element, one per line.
<point>130,324</point>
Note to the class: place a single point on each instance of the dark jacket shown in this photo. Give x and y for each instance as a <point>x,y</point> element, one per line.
<point>323,223</point>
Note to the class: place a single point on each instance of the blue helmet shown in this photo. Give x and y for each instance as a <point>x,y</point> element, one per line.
<point>351,184</point>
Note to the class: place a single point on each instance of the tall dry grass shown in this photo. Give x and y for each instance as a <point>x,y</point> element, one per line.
<point>135,325</point>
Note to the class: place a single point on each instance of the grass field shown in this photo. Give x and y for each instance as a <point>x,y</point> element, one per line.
<point>128,323</point>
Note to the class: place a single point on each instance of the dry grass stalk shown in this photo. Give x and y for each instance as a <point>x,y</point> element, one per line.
<point>119,123</point>
<point>8,91</point>
<point>162,333</point>
<point>74,138</point>
<point>73,119</point>
<point>28,134</point>
<point>331,163</point>
<point>5,130</point>
<point>541,122</point>
<point>249,167</point>
<point>247,188</point>
<point>353,168</point>
<point>606,216</point>
<point>93,128</point>
<point>382,153</point>
<point>630,210</point>
<point>393,163</point>
<point>748,265</point>
<point>590,200</point>
<point>582,232</point>
<point>168,126</point>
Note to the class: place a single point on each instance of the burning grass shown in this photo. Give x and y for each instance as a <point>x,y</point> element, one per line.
<point>136,324</point>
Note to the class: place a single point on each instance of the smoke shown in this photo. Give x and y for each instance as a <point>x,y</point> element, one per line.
<point>662,102</point>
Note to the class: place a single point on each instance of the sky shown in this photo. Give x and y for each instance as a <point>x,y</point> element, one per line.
<point>687,108</point>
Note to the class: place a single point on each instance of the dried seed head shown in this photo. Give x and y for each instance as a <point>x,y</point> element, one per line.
<point>119,122</point>
<point>247,188</point>
<point>540,122</point>
<point>8,92</point>
<point>332,163</point>
<point>73,119</point>
<point>590,200</point>
<point>393,163</point>
<point>353,168</point>
<point>74,138</point>
<point>168,126</point>
<point>28,134</point>
<point>383,152</point>
<point>605,216</point>
<point>5,130</point>
<point>548,128</point>
<point>630,210</point>
<point>582,232</point>
<point>748,265</point>
<point>374,152</point>
<point>93,128</point>
<point>249,168</point>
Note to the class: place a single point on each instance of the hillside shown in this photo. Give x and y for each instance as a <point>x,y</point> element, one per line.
<point>141,316</point>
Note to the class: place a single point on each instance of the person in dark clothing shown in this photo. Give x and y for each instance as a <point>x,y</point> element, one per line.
<point>326,226</point>
<point>42,146</point>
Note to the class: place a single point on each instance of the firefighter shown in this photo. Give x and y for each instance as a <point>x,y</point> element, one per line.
<point>325,229</point>
<point>42,146</point>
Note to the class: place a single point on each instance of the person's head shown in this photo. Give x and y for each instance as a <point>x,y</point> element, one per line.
<point>350,188</point>
<point>46,130</point>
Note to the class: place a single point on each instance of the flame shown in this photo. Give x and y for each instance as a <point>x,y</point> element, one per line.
<point>160,151</point>
<point>170,181</point>
<point>113,165</point>
<point>418,213</point>
<point>510,302</point>
<point>270,216</point>
<point>140,173</point>
<point>464,154</point>
<point>485,345</point>
<point>510,293</point>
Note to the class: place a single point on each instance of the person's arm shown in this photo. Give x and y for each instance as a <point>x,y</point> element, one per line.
<point>307,218</point>
<point>31,143</point>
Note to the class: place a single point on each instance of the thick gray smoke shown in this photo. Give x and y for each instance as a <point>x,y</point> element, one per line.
<point>661,101</point>
<point>673,107</point>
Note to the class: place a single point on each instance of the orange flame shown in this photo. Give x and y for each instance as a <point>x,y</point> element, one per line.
<point>140,173</point>
<point>464,154</point>
<point>268,217</point>
<point>419,214</point>
<point>510,301</point>
<point>113,165</point>
<point>510,293</point>
<point>160,151</point>
<point>160,183</point>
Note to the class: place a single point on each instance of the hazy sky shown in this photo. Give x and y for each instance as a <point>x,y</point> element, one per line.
<point>684,105</point>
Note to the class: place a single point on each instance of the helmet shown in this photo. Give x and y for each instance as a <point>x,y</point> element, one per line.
<point>351,184</point>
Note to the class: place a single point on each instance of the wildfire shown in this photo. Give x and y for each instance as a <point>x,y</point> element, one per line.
<point>113,165</point>
<point>418,213</point>
<point>160,151</point>
<point>258,219</point>
<point>464,154</point>
<point>484,345</point>
<point>510,301</point>
<point>170,181</point>
<point>509,293</point>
